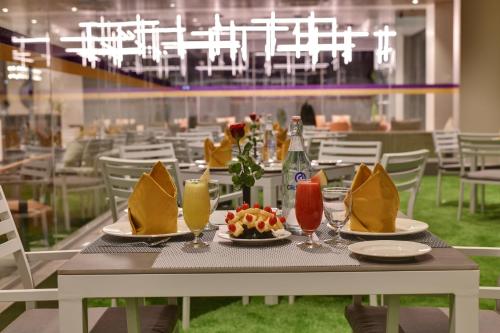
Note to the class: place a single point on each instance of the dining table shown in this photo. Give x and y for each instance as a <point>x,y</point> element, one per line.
<point>272,178</point>
<point>105,269</point>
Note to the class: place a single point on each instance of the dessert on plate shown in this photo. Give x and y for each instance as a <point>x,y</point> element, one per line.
<point>253,223</point>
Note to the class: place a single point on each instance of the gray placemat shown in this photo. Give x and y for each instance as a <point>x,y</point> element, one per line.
<point>224,255</point>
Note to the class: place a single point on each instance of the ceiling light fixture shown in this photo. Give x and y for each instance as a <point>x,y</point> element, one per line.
<point>172,5</point>
<point>415,2</point>
<point>5,10</point>
<point>74,9</point>
<point>34,21</point>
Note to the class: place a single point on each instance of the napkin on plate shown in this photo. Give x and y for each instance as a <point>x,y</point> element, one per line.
<point>219,156</point>
<point>152,206</point>
<point>375,201</point>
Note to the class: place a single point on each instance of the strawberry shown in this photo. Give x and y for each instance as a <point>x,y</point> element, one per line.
<point>273,220</point>
<point>282,219</point>
<point>238,210</point>
<point>249,218</point>
<point>230,216</point>
<point>245,206</point>
<point>261,225</point>
<point>268,209</point>
<point>256,205</point>
<point>231,227</point>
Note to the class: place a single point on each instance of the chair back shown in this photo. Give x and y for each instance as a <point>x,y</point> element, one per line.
<point>195,136</point>
<point>158,151</point>
<point>13,245</point>
<point>38,168</point>
<point>446,147</point>
<point>121,175</point>
<point>181,148</point>
<point>475,148</point>
<point>313,143</point>
<point>93,149</point>
<point>406,170</point>
<point>356,152</point>
<point>214,129</point>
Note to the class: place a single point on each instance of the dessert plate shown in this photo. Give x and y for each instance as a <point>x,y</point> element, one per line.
<point>389,249</point>
<point>403,227</point>
<point>278,235</point>
<point>123,229</point>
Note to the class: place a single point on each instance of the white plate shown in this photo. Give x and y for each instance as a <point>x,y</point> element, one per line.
<point>403,227</point>
<point>389,249</point>
<point>204,166</point>
<point>278,235</point>
<point>123,229</point>
<point>185,165</point>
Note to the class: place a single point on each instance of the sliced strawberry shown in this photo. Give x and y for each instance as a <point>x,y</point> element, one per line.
<point>231,227</point>
<point>249,218</point>
<point>268,209</point>
<point>273,220</point>
<point>230,216</point>
<point>238,209</point>
<point>282,219</point>
<point>245,206</point>
<point>261,225</point>
<point>256,205</point>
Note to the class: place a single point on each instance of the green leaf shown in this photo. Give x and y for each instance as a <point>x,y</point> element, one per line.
<point>236,180</point>
<point>247,148</point>
<point>235,168</point>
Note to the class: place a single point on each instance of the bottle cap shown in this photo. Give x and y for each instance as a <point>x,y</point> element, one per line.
<point>296,118</point>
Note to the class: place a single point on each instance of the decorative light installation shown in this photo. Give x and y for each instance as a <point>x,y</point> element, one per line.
<point>145,39</point>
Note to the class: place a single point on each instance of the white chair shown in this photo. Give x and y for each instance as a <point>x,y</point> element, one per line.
<point>356,152</point>
<point>474,150</point>
<point>149,151</point>
<point>121,175</point>
<point>196,136</point>
<point>373,319</point>
<point>46,320</point>
<point>446,148</point>
<point>214,129</point>
<point>181,147</point>
<point>406,170</point>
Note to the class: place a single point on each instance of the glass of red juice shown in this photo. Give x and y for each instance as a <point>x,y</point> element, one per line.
<point>309,210</point>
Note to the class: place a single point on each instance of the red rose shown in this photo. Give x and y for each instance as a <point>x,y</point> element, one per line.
<point>253,116</point>
<point>237,130</point>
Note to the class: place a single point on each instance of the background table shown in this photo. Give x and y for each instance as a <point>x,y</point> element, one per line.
<point>271,180</point>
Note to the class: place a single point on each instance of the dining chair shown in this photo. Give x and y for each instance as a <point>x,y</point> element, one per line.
<point>446,148</point>
<point>373,319</point>
<point>196,136</point>
<point>181,147</point>
<point>356,152</point>
<point>406,170</point>
<point>148,151</point>
<point>153,318</point>
<point>475,151</point>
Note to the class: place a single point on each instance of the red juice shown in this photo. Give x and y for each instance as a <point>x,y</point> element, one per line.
<point>308,205</point>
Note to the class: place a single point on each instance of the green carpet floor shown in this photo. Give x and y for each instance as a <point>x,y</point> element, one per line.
<point>325,313</point>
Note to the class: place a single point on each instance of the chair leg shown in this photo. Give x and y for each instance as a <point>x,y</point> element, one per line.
<point>460,201</point>
<point>438,190</point>
<point>65,204</point>
<point>483,197</point>
<point>186,308</point>
<point>373,300</point>
<point>45,228</point>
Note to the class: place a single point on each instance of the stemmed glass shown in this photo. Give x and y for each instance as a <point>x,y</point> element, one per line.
<point>196,209</point>
<point>308,210</point>
<point>214,194</point>
<point>337,210</point>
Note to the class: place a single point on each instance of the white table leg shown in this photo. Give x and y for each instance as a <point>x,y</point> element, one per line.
<point>72,316</point>
<point>464,316</point>
<point>245,300</point>
<point>186,308</point>
<point>392,302</point>
<point>268,197</point>
<point>133,319</point>
<point>473,198</point>
<point>271,300</point>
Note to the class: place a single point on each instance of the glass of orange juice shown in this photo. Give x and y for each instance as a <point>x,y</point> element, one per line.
<point>196,209</point>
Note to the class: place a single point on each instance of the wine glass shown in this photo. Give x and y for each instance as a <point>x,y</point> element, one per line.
<point>196,209</point>
<point>214,194</point>
<point>337,211</point>
<point>308,210</point>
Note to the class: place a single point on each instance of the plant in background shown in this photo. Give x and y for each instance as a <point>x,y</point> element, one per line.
<point>245,171</point>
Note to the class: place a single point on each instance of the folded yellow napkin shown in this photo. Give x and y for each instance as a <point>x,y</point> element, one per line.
<point>152,206</point>
<point>375,201</point>
<point>282,141</point>
<point>218,156</point>
<point>282,150</point>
